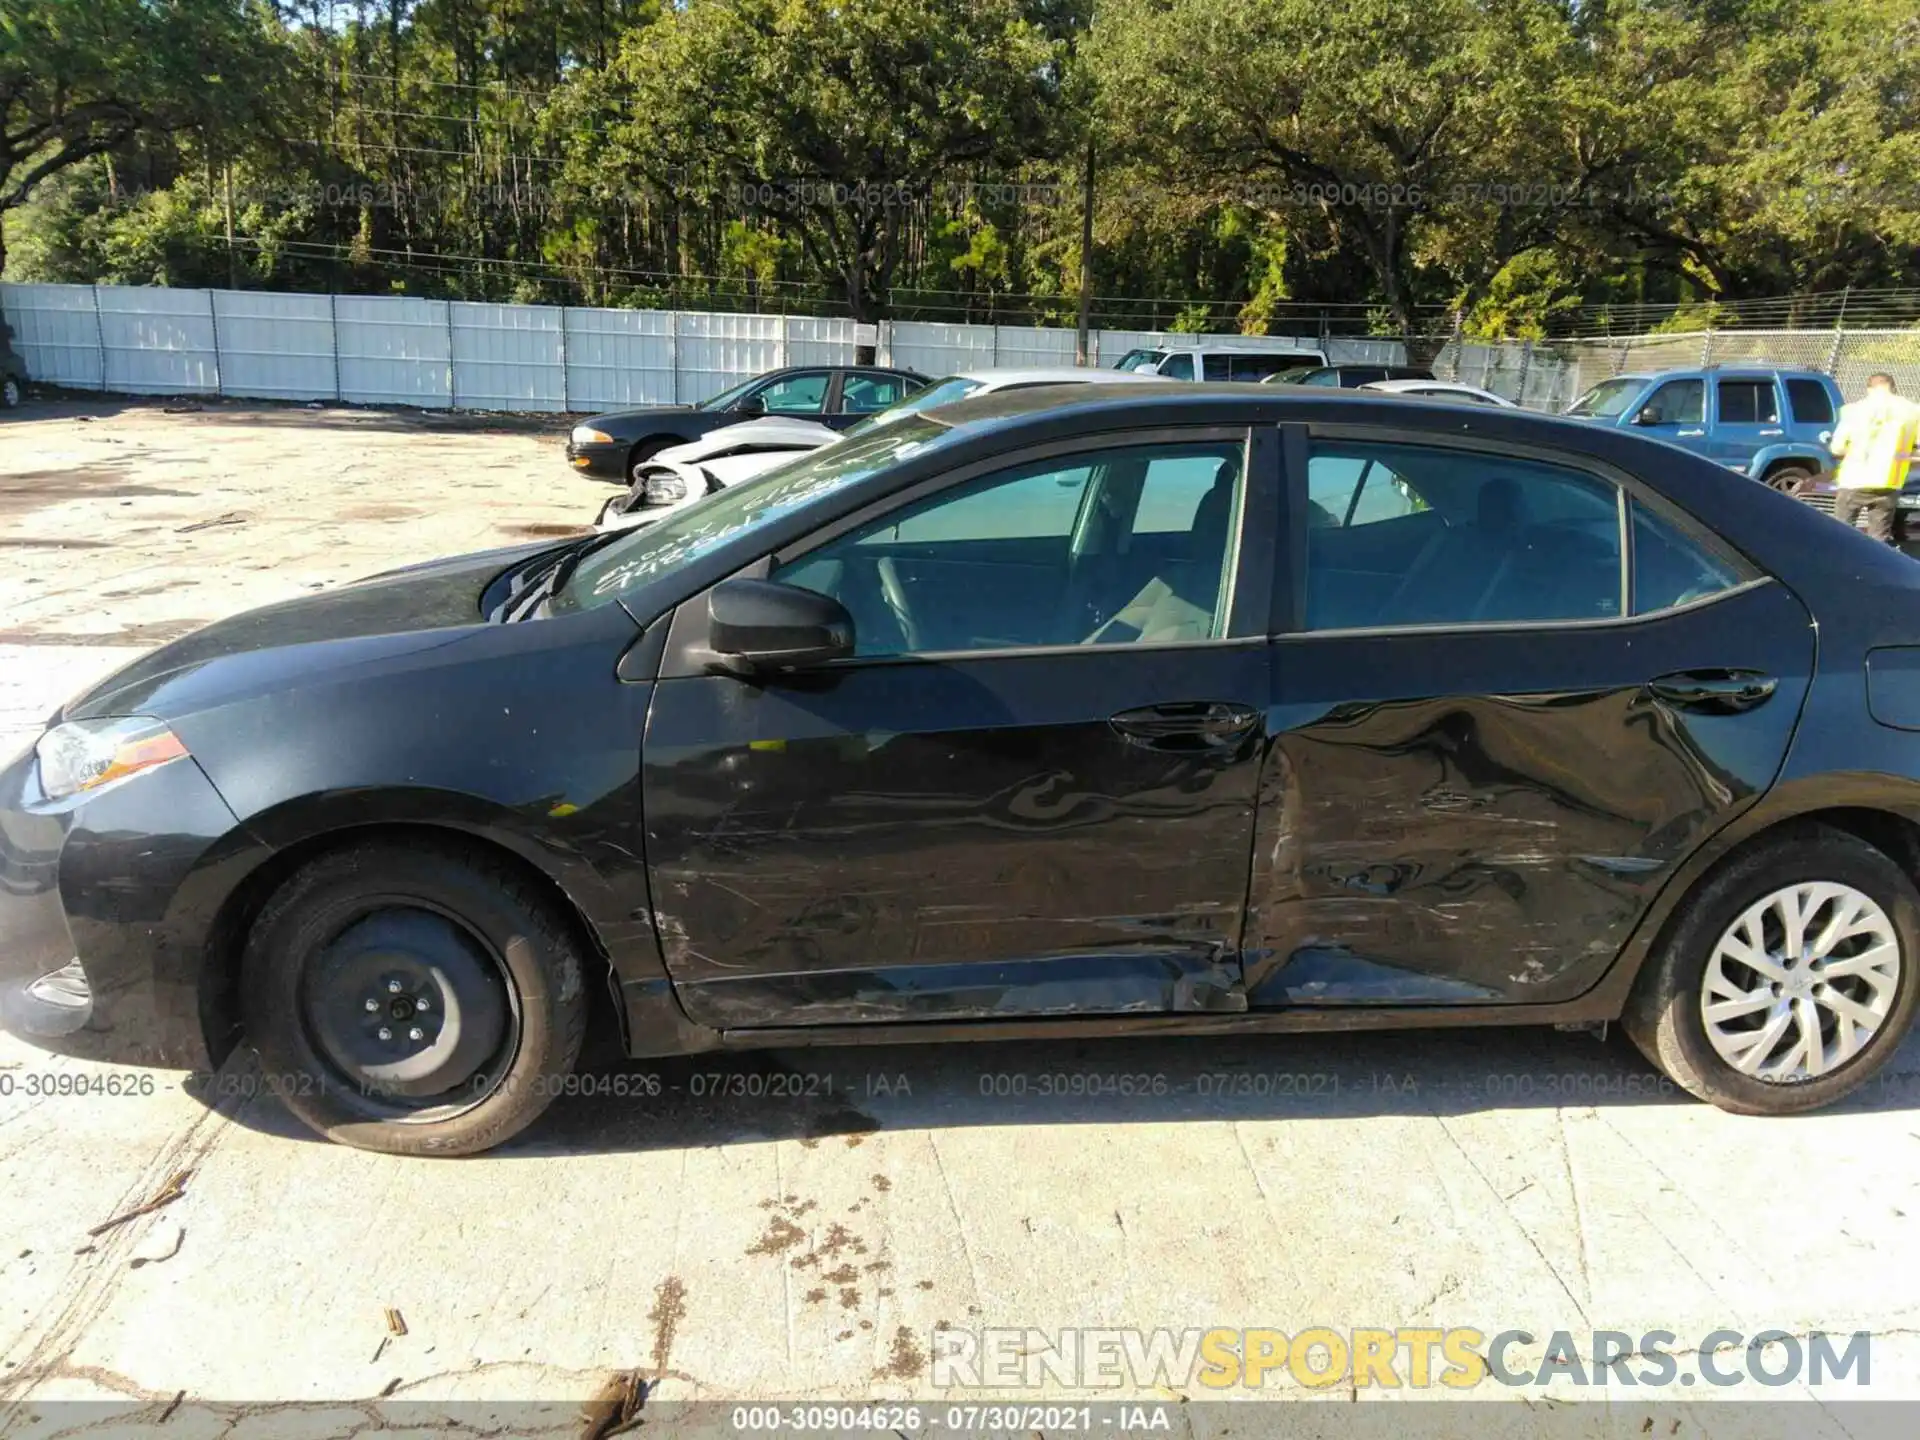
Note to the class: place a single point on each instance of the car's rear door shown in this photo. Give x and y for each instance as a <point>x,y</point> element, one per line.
<point>1746,418</point>
<point>1485,770</point>
<point>1030,792</point>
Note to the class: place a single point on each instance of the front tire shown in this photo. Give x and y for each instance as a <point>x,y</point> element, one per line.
<point>415,999</point>
<point>1788,981</point>
<point>642,453</point>
<point>11,393</point>
<point>1788,479</point>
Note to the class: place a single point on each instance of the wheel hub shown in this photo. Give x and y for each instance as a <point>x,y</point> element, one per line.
<point>407,1004</point>
<point>1800,982</point>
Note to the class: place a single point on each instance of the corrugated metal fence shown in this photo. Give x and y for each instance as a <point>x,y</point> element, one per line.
<point>398,350</point>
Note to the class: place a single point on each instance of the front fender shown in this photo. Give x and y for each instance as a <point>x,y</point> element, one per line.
<point>1795,451</point>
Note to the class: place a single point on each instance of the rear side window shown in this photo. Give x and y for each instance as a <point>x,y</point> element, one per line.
<point>1258,367</point>
<point>1748,402</point>
<point>1671,568</point>
<point>1214,367</point>
<point>1810,401</point>
<point>1403,535</point>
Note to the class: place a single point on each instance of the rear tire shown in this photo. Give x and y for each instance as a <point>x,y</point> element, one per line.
<point>1837,885</point>
<point>490,980</point>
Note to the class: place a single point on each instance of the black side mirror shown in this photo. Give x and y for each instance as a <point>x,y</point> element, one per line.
<point>763,625</point>
<point>751,405</point>
<point>1649,417</point>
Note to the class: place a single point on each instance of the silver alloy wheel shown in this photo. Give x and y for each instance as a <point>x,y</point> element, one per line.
<point>1801,982</point>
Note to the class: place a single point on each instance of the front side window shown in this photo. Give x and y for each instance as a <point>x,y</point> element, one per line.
<point>1811,403</point>
<point>1402,535</point>
<point>865,394</point>
<point>635,559</point>
<point>1609,399</point>
<point>1106,547</point>
<point>1748,402</point>
<point>1678,402</point>
<point>804,394</point>
<point>1176,367</point>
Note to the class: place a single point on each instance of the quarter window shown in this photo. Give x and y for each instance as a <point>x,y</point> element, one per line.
<point>1671,568</point>
<point>1748,402</point>
<point>1120,546</point>
<point>1404,535</point>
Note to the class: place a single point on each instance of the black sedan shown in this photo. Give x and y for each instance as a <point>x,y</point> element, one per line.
<point>614,445</point>
<point>1202,710</point>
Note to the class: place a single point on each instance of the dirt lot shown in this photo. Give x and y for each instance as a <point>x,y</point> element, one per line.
<point>719,1241</point>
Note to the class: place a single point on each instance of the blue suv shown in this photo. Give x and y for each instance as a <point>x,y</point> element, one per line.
<point>1768,423</point>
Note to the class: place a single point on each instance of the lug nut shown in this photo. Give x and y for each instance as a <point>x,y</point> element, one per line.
<point>393,987</point>
<point>421,1003</point>
<point>385,1033</point>
<point>372,1005</point>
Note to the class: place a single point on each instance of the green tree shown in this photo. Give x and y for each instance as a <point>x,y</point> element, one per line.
<point>80,78</point>
<point>831,120</point>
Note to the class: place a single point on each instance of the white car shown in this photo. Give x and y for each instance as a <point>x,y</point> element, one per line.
<point>1441,390</point>
<point>1245,360</point>
<point>681,474</point>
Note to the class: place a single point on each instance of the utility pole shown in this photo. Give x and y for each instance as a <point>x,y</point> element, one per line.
<point>1080,345</point>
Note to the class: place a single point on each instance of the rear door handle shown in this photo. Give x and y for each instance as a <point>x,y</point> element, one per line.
<point>1773,432</point>
<point>1186,724</point>
<point>1713,692</point>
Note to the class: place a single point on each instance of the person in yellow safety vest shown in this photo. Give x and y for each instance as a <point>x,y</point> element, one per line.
<point>1875,440</point>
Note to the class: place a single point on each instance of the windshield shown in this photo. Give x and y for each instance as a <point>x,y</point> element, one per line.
<point>940,392</point>
<point>727,397</point>
<point>643,555</point>
<point>1140,359</point>
<point>1609,398</point>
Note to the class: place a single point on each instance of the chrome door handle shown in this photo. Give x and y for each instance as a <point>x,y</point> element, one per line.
<point>1688,433</point>
<point>1773,432</point>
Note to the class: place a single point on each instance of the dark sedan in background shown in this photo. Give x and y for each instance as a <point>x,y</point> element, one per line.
<point>613,446</point>
<point>1133,710</point>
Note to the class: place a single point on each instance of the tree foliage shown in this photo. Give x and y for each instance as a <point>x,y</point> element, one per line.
<point>1388,162</point>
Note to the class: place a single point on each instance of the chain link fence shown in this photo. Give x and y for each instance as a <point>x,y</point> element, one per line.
<point>1549,375</point>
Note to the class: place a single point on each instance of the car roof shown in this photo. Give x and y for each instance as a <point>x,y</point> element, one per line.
<point>1002,376</point>
<point>1407,383</point>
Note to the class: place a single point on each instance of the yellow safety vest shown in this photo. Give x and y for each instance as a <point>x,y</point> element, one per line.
<point>1876,439</point>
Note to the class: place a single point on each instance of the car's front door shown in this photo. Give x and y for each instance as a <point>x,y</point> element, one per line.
<point>1676,412</point>
<point>1518,693</point>
<point>1031,789</point>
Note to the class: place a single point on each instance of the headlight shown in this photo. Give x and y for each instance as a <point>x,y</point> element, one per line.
<point>86,754</point>
<point>664,490</point>
<point>587,435</point>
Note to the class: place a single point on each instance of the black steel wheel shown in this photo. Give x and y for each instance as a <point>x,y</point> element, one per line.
<point>414,999</point>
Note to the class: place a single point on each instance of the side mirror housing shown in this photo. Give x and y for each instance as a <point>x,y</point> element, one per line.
<point>762,625</point>
<point>1647,417</point>
<point>751,405</point>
